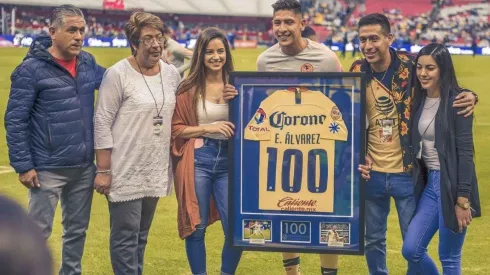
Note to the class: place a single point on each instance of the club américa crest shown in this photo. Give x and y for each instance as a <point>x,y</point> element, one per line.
<point>307,67</point>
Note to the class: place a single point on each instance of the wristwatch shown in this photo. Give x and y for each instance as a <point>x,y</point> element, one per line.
<point>465,205</point>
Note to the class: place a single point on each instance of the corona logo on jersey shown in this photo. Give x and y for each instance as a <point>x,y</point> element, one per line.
<point>297,150</point>
<point>281,119</point>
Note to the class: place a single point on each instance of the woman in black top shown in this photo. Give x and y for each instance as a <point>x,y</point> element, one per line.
<point>444,172</point>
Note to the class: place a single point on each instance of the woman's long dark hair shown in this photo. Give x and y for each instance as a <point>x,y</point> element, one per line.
<point>197,74</point>
<point>449,87</point>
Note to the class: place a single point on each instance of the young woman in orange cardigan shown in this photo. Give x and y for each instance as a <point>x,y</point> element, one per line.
<point>200,133</point>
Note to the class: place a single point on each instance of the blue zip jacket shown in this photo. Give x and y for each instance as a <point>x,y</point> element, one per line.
<point>49,117</point>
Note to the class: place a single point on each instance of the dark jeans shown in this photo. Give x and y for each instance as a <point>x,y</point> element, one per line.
<point>211,179</point>
<point>379,190</point>
<point>428,219</point>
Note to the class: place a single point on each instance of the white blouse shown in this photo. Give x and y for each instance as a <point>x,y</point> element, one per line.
<point>123,121</point>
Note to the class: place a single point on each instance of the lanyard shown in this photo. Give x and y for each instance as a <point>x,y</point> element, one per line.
<point>161,81</point>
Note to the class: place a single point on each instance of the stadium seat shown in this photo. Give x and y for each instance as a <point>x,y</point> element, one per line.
<point>260,8</point>
<point>82,4</point>
<point>156,6</point>
<point>483,9</point>
<point>412,7</point>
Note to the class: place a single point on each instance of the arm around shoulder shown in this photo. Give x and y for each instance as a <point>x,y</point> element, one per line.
<point>99,73</point>
<point>98,70</point>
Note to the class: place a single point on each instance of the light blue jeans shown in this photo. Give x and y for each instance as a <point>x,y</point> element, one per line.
<point>379,191</point>
<point>428,219</point>
<point>211,179</point>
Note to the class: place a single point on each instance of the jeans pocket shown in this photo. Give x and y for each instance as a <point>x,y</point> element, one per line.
<point>202,155</point>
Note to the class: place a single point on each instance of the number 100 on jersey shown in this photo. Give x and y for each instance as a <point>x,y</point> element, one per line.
<point>294,185</point>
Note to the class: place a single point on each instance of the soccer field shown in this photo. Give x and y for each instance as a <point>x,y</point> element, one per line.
<point>165,253</point>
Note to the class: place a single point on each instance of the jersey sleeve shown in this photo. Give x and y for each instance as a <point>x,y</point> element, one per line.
<point>259,128</point>
<point>335,127</point>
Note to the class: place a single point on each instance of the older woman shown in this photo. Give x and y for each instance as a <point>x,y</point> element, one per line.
<point>132,140</point>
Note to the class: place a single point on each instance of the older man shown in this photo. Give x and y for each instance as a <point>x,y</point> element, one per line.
<point>49,122</point>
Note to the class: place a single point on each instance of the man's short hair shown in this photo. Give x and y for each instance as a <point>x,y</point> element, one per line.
<point>58,15</point>
<point>376,19</point>
<point>293,5</point>
<point>308,32</point>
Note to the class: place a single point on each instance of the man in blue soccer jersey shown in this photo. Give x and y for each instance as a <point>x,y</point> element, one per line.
<point>388,160</point>
<point>293,53</point>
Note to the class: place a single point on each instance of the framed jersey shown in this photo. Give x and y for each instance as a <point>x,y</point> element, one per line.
<point>294,184</point>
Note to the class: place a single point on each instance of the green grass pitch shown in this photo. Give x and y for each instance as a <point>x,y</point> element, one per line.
<point>165,253</point>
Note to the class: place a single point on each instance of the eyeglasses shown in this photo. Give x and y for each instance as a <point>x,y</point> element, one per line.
<point>148,41</point>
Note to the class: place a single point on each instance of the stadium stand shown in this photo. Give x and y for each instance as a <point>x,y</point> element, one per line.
<point>91,4</point>
<point>409,8</point>
<point>261,8</point>
<point>460,22</point>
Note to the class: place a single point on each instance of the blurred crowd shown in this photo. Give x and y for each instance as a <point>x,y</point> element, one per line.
<point>464,25</point>
<point>333,21</point>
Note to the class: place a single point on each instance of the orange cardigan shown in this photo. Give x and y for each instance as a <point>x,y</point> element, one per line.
<point>183,167</point>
